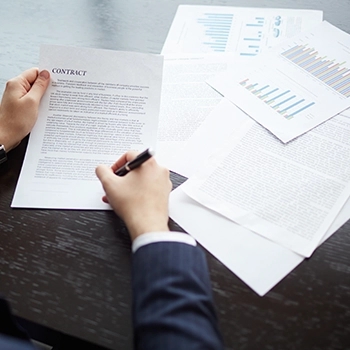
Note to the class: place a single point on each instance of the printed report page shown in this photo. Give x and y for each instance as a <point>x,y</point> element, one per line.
<point>289,193</point>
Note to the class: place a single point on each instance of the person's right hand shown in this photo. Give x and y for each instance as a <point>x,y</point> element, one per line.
<point>140,197</point>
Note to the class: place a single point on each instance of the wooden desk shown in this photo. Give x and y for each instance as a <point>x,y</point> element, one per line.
<point>70,270</point>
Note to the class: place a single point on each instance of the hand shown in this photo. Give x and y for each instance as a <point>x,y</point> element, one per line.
<point>140,197</point>
<point>19,106</point>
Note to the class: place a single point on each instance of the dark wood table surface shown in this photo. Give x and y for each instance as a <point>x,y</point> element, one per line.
<point>69,271</point>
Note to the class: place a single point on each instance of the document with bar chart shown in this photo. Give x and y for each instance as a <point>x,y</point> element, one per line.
<point>296,86</point>
<point>244,31</point>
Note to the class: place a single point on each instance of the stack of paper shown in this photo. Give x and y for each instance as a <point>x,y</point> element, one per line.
<point>277,178</point>
<point>247,112</point>
<point>202,42</point>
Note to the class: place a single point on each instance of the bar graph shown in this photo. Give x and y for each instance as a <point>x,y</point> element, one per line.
<point>284,102</point>
<point>296,86</point>
<point>216,29</point>
<point>329,71</point>
<point>252,32</point>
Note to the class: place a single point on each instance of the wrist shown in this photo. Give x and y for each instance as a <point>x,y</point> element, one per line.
<point>8,142</point>
<point>137,229</point>
<point>3,154</point>
<point>9,145</point>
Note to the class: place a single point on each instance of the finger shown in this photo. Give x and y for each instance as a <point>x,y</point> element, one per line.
<point>100,172</point>
<point>18,86</point>
<point>108,180</point>
<point>107,177</point>
<point>29,76</point>
<point>40,85</point>
<point>126,157</point>
<point>103,172</point>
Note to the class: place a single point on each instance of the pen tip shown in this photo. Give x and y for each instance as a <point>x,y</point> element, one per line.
<point>151,152</point>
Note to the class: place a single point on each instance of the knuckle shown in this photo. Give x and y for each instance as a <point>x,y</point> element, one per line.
<point>10,83</point>
<point>165,171</point>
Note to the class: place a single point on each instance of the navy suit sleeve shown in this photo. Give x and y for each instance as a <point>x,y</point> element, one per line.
<point>173,303</point>
<point>10,343</point>
<point>12,336</point>
<point>8,324</point>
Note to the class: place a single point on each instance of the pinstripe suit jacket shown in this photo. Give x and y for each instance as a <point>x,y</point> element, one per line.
<point>173,304</point>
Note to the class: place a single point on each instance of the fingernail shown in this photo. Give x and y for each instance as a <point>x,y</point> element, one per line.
<point>44,74</point>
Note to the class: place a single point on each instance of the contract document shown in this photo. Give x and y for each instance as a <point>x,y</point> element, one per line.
<point>296,85</point>
<point>244,31</point>
<point>288,193</point>
<point>99,104</point>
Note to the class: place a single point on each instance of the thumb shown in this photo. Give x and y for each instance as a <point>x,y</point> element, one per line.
<point>40,85</point>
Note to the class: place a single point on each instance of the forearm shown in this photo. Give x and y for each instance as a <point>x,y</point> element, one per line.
<point>173,303</point>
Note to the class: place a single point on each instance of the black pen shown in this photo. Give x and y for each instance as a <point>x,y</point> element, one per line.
<point>135,163</point>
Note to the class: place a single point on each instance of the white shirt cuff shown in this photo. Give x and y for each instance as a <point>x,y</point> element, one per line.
<point>166,236</point>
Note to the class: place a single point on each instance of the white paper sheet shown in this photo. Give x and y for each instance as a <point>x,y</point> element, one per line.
<point>257,261</point>
<point>209,137</point>
<point>287,193</point>
<point>99,104</point>
<point>295,86</point>
<point>186,100</point>
<point>243,31</point>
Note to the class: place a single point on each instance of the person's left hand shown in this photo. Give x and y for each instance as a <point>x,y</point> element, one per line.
<point>19,106</point>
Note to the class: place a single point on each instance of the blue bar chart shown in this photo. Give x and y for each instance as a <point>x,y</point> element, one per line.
<point>296,86</point>
<point>330,72</point>
<point>283,101</point>
<point>216,30</point>
<point>252,36</point>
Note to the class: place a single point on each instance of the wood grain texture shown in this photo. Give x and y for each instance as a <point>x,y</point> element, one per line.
<point>70,270</point>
